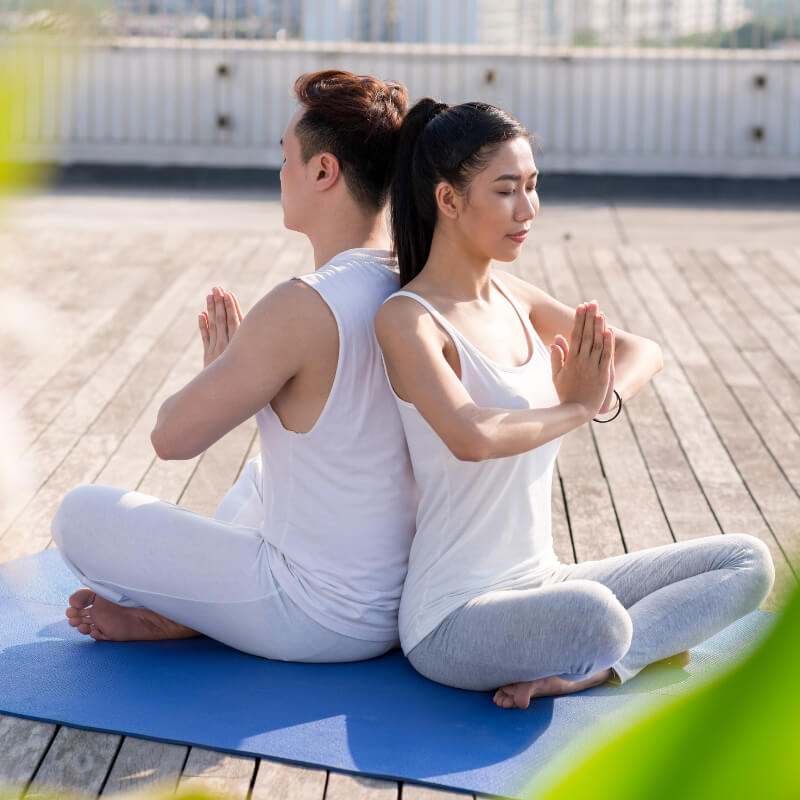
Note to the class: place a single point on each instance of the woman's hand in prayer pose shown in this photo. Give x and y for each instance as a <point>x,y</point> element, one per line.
<point>218,323</point>
<point>583,370</point>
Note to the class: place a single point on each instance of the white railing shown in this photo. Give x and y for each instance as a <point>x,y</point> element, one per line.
<point>180,99</point>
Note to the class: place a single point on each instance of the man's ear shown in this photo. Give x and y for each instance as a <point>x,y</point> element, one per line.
<point>448,200</point>
<point>325,170</point>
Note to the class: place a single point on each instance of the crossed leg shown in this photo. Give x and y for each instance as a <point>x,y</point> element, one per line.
<point>677,596</point>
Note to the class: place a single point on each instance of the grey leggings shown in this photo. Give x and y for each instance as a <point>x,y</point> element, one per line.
<point>623,612</point>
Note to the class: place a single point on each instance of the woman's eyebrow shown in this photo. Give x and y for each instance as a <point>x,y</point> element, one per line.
<point>533,174</point>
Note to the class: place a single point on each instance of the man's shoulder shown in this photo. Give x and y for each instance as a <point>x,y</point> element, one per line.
<point>293,303</point>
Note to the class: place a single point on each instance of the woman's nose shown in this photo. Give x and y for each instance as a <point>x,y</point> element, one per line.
<point>526,209</point>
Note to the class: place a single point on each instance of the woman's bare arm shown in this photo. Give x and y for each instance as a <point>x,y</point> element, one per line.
<point>412,345</point>
<point>636,359</point>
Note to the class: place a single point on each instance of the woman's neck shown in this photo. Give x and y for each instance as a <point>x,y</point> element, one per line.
<point>456,269</point>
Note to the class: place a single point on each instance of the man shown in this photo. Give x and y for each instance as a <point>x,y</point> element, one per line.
<point>320,579</point>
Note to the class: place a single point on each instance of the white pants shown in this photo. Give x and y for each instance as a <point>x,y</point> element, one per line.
<point>212,574</point>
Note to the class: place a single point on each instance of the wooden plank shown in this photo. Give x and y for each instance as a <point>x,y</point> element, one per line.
<point>224,776</point>
<point>690,286</point>
<point>759,319</point>
<point>24,744</point>
<point>48,282</point>
<point>711,462</point>
<point>786,272</point>
<point>71,423</point>
<point>275,779</point>
<point>772,265</point>
<point>638,510</point>
<point>745,266</point>
<point>87,325</point>
<point>356,787</point>
<point>142,764</point>
<point>562,541</point>
<point>92,446</point>
<point>593,521</point>
<point>777,499</point>
<point>76,763</point>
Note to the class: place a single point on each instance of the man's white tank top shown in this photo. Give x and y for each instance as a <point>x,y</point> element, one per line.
<point>481,526</point>
<point>340,500</point>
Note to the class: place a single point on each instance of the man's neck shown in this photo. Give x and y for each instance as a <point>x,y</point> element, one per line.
<point>366,233</point>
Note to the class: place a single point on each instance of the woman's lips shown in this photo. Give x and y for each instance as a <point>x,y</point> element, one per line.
<point>519,237</point>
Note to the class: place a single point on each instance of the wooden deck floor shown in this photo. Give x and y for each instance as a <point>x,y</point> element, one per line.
<point>712,446</point>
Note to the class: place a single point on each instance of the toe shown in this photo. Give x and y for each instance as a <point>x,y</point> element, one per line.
<point>84,627</point>
<point>522,696</point>
<point>82,598</point>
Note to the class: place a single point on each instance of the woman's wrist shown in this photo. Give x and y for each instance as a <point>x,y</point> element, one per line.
<point>615,412</point>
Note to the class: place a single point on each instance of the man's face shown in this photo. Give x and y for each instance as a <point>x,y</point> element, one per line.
<point>296,186</point>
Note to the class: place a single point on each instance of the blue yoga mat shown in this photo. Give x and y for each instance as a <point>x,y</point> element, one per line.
<point>376,717</point>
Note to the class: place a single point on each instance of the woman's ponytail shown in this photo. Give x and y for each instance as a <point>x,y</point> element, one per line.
<point>412,215</point>
<point>437,143</point>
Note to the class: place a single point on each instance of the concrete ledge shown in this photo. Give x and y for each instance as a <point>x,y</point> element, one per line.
<point>738,192</point>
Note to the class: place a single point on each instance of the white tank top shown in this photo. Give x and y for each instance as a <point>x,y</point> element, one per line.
<point>483,525</point>
<point>340,500</point>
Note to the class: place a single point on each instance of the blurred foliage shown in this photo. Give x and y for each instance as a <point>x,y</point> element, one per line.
<point>737,736</point>
<point>14,108</point>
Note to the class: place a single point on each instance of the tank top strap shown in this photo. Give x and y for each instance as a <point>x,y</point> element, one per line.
<point>526,320</point>
<point>454,334</point>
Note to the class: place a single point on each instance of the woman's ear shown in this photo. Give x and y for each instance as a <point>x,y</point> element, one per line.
<point>325,169</point>
<point>447,200</point>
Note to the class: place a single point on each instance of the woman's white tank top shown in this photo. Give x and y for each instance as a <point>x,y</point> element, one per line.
<point>340,500</point>
<point>483,525</point>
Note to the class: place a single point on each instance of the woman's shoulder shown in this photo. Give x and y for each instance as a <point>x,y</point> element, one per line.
<point>404,317</point>
<point>531,298</point>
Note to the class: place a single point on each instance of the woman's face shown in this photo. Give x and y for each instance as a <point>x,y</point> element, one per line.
<point>498,209</point>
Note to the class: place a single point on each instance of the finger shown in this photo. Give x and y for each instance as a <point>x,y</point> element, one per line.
<point>236,306</point>
<point>607,356</point>
<point>556,359</point>
<point>597,343</point>
<point>230,315</point>
<point>588,330</point>
<point>577,329</point>
<point>202,320</point>
<point>221,318</point>
<point>212,322</point>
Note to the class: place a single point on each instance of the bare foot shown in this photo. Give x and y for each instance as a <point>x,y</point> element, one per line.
<point>105,621</point>
<point>519,695</point>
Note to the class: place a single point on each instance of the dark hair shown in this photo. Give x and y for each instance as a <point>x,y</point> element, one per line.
<point>439,143</point>
<point>356,118</point>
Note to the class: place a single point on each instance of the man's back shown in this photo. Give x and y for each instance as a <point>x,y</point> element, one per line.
<point>339,506</point>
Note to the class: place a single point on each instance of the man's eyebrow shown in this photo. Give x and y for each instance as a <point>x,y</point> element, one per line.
<point>533,174</point>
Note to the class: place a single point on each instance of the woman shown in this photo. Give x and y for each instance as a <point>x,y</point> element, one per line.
<point>488,373</point>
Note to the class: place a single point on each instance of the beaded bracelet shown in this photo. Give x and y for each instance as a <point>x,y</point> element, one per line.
<point>616,414</point>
